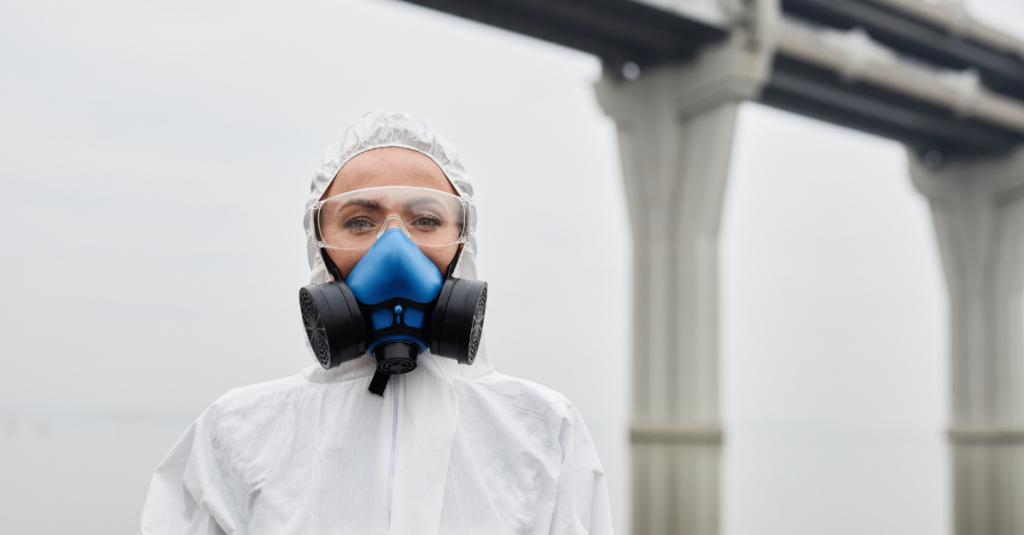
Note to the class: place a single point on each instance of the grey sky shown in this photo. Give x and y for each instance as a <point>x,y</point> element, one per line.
<point>156,157</point>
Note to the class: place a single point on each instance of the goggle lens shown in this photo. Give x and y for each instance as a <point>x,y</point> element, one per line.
<point>355,220</point>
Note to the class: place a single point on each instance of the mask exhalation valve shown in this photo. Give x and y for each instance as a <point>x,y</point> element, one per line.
<point>396,358</point>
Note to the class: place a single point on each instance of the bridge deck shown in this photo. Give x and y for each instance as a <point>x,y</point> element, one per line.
<point>618,31</point>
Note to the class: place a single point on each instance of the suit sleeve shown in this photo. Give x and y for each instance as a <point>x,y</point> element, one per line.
<point>582,506</point>
<point>171,507</point>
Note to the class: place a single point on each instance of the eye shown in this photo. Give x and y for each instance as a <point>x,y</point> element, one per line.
<point>427,221</point>
<point>358,223</point>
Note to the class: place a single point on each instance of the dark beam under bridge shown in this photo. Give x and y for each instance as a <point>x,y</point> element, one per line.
<point>822,94</point>
<point>616,31</point>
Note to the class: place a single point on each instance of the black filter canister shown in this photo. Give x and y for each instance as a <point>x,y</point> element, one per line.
<point>457,323</point>
<point>334,325</point>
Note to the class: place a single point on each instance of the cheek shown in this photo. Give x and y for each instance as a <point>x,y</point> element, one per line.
<point>345,259</point>
<point>441,256</point>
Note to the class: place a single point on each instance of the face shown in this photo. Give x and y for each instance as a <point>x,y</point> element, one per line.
<point>390,166</point>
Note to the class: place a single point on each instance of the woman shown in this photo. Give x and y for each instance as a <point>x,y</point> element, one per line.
<point>447,449</point>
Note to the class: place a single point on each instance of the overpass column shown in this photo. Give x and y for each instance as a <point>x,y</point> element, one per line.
<point>978,212</point>
<point>675,127</point>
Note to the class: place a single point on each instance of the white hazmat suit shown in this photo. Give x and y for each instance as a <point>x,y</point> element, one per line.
<point>448,449</point>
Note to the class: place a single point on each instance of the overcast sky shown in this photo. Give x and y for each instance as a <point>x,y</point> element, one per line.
<point>155,157</point>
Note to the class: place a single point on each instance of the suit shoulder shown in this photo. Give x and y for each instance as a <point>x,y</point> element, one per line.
<point>525,394</point>
<point>267,392</point>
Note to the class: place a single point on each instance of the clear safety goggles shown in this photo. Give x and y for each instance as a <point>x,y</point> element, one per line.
<point>355,220</point>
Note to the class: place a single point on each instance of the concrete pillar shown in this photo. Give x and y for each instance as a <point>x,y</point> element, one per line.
<point>675,127</point>
<point>978,211</point>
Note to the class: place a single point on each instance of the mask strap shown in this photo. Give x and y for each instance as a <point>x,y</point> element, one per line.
<point>454,262</point>
<point>332,268</point>
<point>379,382</point>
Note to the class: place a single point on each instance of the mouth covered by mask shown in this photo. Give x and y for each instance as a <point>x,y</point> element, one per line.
<point>395,304</point>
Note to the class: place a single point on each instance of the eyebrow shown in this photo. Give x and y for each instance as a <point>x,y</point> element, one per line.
<point>417,201</point>
<point>366,203</point>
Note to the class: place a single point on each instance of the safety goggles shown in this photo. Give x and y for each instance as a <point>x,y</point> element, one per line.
<point>355,220</point>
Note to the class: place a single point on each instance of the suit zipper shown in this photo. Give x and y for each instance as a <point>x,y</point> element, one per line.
<point>394,440</point>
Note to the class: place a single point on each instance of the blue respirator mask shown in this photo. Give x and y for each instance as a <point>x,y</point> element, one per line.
<point>395,304</point>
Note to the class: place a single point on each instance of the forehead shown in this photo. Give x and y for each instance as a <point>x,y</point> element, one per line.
<point>389,166</point>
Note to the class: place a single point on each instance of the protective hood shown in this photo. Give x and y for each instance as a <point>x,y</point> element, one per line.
<point>379,129</point>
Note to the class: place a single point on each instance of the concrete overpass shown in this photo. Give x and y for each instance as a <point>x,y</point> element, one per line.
<point>923,74</point>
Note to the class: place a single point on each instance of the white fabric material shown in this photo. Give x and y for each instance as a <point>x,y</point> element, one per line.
<point>448,449</point>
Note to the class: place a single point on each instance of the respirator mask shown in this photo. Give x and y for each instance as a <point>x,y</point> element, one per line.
<point>395,303</point>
